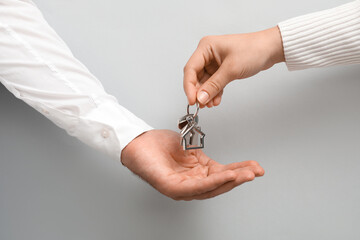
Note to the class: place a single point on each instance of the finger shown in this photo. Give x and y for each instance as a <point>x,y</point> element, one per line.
<point>190,82</point>
<point>192,68</point>
<point>202,106</point>
<point>204,78</point>
<point>257,170</point>
<point>243,177</point>
<point>243,164</point>
<point>215,84</point>
<point>191,88</point>
<point>217,98</point>
<point>197,61</point>
<point>217,101</point>
<point>246,165</point>
<point>191,187</point>
<point>214,166</point>
<point>210,104</point>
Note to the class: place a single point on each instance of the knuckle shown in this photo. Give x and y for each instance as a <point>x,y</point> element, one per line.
<point>253,163</point>
<point>231,174</point>
<point>215,85</point>
<point>205,39</point>
<point>250,176</point>
<point>186,68</point>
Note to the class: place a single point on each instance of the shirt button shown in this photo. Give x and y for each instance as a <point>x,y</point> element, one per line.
<point>105,133</point>
<point>45,111</point>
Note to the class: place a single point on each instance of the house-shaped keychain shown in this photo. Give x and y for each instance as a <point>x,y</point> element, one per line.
<point>192,137</point>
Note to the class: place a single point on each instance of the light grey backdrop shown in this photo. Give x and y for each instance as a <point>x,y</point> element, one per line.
<point>302,127</point>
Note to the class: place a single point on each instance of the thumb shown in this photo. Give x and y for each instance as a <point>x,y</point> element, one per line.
<point>214,85</point>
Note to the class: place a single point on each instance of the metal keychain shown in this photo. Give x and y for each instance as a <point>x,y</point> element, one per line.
<point>191,135</point>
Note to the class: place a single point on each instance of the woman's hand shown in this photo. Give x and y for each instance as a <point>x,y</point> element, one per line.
<point>219,60</point>
<point>158,158</point>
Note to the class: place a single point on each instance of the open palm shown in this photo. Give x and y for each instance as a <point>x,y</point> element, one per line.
<point>157,157</point>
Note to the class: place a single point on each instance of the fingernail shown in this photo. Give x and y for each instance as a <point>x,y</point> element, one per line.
<point>203,97</point>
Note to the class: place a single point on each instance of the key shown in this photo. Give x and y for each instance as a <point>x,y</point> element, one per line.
<point>191,135</point>
<point>187,125</point>
<point>183,121</point>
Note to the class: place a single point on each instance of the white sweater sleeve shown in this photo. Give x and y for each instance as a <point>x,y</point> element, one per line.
<point>325,38</point>
<point>38,68</point>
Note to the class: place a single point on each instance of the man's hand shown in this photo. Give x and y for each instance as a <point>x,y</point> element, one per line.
<point>157,157</point>
<point>218,60</point>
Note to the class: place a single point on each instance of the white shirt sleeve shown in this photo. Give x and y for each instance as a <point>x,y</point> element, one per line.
<point>325,38</point>
<point>38,68</point>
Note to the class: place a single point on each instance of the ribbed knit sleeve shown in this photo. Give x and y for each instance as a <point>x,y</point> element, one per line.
<point>325,38</point>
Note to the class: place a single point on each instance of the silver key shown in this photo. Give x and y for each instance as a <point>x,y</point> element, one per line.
<point>184,120</point>
<point>191,135</point>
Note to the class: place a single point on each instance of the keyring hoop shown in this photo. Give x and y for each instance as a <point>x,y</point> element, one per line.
<point>197,109</point>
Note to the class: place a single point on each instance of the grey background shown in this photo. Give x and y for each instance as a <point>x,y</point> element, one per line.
<point>302,127</point>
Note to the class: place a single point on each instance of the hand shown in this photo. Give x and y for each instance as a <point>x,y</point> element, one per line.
<point>218,60</point>
<point>157,157</point>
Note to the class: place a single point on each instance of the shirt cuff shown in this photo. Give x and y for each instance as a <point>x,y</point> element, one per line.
<point>109,128</point>
<point>325,38</point>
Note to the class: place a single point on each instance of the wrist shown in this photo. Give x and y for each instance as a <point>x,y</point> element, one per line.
<point>276,54</point>
<point>132,148</point>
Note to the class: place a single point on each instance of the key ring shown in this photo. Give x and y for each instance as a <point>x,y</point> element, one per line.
<point>197,109</point>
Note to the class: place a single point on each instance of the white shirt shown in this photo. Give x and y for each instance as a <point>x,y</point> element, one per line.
<point>324,38</point>
<point>38,68</point>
